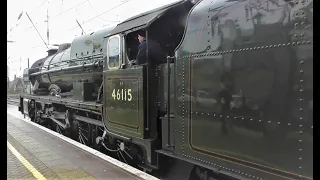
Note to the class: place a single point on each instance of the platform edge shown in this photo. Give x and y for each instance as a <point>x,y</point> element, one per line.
<point>94,152</point>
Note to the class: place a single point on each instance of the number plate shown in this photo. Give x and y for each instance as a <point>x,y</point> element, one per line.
<point>123,102</point>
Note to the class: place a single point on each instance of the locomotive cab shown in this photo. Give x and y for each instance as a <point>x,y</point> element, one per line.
<point>135,97</point>
<point>164,30</point>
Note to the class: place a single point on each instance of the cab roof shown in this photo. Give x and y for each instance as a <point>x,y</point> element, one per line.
<point>142,20</point>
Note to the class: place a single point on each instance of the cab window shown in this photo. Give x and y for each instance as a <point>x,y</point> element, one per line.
<point>114,52</point>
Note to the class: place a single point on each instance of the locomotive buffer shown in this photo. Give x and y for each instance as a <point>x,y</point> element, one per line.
<point>33,152</point>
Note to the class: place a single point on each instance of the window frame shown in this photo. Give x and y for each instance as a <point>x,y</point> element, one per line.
<point>120,55</point>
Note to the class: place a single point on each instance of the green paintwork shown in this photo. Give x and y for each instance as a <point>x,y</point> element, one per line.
<point>123,116</point>
<point>82,91</point>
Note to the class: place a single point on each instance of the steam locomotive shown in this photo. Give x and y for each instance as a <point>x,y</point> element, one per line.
<point>233,100</point>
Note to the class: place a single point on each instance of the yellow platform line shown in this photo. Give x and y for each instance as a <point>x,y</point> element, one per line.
<point>35,173</point>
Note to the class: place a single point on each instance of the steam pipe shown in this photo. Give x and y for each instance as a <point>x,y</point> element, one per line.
<point>99,92</point>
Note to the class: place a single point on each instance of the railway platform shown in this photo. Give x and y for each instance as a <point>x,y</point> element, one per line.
<point>34,152</point>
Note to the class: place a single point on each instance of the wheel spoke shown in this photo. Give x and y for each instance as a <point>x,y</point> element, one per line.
<point>83,129</point>
<point>58,129</point>
<point>82,135</point>
<point>83,132</point>
<point>123,157</point>
<point>81,139</point>
<point>128,154</point>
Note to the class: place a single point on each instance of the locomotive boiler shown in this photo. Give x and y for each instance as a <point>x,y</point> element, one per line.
<point>234,99</point>
<point>80,61</point>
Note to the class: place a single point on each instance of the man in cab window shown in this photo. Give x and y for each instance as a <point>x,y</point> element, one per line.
<point>155,52</point>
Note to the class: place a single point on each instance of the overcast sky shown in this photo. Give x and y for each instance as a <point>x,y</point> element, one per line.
<point>91,14</point>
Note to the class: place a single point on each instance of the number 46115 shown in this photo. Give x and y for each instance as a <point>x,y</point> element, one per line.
<point>122,94</point>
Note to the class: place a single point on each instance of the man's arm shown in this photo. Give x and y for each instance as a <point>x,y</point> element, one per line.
<point>141,56</point>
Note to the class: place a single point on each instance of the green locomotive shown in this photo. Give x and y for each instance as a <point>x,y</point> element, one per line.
<point>234,99</point>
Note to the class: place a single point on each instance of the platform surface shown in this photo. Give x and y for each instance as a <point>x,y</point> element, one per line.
<point>36,154</point>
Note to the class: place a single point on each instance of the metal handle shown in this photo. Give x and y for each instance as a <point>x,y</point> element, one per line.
<point>169,59</point>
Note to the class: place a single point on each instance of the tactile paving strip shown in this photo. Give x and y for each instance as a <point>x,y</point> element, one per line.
<point>15,169</point>
<point>49,164</point>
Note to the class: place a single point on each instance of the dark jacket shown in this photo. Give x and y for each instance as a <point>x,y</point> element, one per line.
<point>156,54</point>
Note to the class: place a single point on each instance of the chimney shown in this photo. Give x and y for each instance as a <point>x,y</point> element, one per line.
<point>52,51</point>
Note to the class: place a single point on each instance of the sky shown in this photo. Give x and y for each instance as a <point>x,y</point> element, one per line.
<point>63,16</point>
